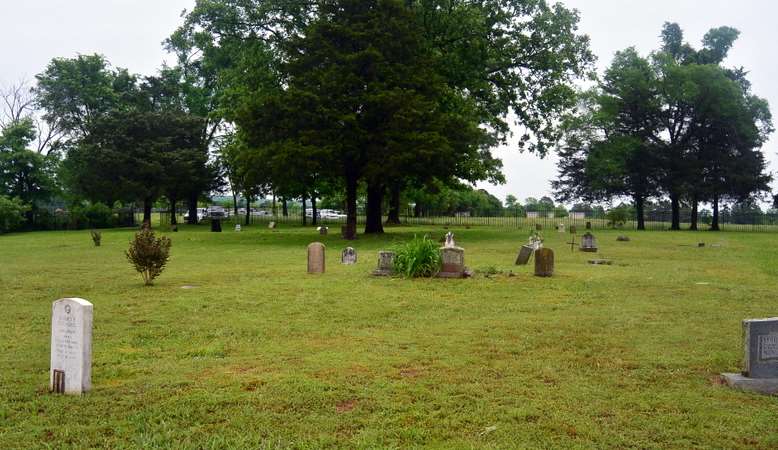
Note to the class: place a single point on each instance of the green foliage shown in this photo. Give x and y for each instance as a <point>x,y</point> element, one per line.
<point>95,215</point>
<point>419,257</point>
<point>618,216</point>
<point>148,254</point>
<point>11,213</point>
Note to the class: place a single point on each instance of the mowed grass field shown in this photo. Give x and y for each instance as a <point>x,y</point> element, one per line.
<point>260,354</point>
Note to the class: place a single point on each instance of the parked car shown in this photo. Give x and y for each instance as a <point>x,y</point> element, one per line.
<point>331,214</point>
<point>217,212</point>
<point>260,213</point>
<point>201,212</point>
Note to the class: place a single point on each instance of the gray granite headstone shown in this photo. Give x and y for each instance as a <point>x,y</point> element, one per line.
<point>588,243</point>
<point>71,346</point>
<point>385,263</point>
<point>349,256</point>
<point>316,257</point>
<point>760,359</point>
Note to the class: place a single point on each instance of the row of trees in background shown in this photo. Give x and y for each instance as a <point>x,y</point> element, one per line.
<point>674,125</point>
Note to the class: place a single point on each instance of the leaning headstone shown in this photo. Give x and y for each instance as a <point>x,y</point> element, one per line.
<point>544,262</point>
<point>271,225</point>
<point>237,227</point>
<point>216,225</point>
<point>385,263</point>
<point>588,243</point>
<point>349,256</point>
<point>323,231</point>
<point>524,255</point>
<point>316,258</point>
<point>453,262</point>
<point>71,346</point>
<point>623,238</point>
<point>760,361</point>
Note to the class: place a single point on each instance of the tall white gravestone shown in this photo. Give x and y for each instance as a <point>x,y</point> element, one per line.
<point>71,346</point>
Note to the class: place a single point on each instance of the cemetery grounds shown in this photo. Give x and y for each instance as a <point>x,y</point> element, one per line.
<point>235,346</point>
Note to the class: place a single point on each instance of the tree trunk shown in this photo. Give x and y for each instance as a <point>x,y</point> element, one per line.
<point>305,216</point>
<point>375,195</point>
<point>314,219</point>
<point>248,210</point>
<point>192,204</point>
<point>675,205</point>
<point>173,219</point>
<point>235,204</point>
<point>640,203</point>
<point>147,211</point>
<point>273,208</point>
<point>393,217</point>
<point>695,215</point>
<point>284,207</point>
<point>714,225</point>
<point>350,231</point>
<point>417,210</point>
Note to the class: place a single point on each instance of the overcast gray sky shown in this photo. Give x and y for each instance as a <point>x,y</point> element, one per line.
<point>129,33</point>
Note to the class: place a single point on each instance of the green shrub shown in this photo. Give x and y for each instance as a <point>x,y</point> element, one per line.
<point>11,213</point>
<point>96,215</point>
<point>419,257</point>
<point>617,217</point>
<point>148,254</point>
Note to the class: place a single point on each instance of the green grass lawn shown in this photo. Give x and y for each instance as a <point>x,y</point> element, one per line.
<point>260,354</point>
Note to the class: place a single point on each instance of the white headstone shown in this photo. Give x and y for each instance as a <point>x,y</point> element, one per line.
<point>237,227</point>
<point>71,346</point>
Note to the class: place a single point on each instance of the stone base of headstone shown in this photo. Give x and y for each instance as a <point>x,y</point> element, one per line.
<point>453,259</point>
<point>348,232</point>
<point>216,226</point>
<point>589,249</point>
<point>525,253</point>
<point>623,238</point>
<point>544,262</point>
<point>767,386</point>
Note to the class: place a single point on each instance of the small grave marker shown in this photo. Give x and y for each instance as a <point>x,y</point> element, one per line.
<point>588,243</point>
<point>316,257</point>
<point>323,231</point>
<point>272,225</point>
<point>237,227</point>
<point>623,238</point>
<point>453,259</point>
<point>71,346</point>
<point>348,256</point>
<point>385,263</point>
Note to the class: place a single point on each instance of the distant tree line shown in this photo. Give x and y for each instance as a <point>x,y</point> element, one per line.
<point>675,125</point>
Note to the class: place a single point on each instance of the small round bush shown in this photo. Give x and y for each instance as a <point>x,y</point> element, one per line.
<point>419,257</point>
<point>148,254</point>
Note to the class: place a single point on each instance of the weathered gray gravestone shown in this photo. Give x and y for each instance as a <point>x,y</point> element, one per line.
<point>453,262</point>
<point>588,243</point>
<point>385,263</point>
<point>71,346</point>
<point>623,238</point>
<point>544,262</point>
<point>349,256</point>
<point>323,230</point>
<point>524,255</point>
<point>316,257</point>
<point>760,361</point>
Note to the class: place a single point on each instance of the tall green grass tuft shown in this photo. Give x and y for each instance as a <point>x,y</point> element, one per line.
<point>419,257</point>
